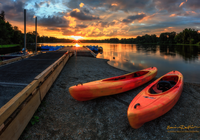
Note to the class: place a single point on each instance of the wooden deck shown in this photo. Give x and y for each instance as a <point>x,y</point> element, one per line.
<point>24,82</point>
<point>80,51</point>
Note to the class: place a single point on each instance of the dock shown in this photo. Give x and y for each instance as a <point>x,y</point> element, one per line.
<point>24,82</point>
<point>80,51</point>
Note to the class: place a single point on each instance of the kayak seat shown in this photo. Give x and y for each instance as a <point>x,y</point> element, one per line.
<point>164,85</point>
<point>136,75</point>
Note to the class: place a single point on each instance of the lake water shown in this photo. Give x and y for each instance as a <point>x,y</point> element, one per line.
<point>132,57</point>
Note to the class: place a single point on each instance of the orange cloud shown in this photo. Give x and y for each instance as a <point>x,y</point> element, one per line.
<point>172,15</point>
<point>81,5</point>
<point>114,4</point>
<point>193,12</point>
<point>181,4</point>
<point>146,18</point>
<point>72,21</point>
<point>77,10</point>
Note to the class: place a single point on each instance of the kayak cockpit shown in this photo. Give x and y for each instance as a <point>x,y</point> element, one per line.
<point>164,84</point>
<point>128,76</point>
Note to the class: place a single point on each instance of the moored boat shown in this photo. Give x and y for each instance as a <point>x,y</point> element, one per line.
<point>114,85</point>
<point>156,99</point>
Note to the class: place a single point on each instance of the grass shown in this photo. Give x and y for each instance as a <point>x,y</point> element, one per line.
<point>189,44</point>
<point>9,45</point>
<point>34,120</point>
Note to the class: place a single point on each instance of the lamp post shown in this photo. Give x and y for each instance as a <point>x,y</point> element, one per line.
<point>35,34</point>
<point>24,31</point>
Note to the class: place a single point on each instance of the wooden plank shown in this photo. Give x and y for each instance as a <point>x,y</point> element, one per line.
<point>13,104</point>
<point>18,124</point>
<point>49,81</point>
<point>67,58</point>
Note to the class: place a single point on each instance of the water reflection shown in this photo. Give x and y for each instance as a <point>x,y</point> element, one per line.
<point>188,53</point>
<point>132,57</point>
<point>147,49</point>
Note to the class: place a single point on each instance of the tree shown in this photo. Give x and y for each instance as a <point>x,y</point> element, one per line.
<point>187,36</point>
<point>2,15</point>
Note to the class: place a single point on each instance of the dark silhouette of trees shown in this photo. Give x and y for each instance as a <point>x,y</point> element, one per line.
<point>6,32</point>
<point>188,36</point>
<point>2,15</point>
<point>167,38</point>
<point>114,40</point>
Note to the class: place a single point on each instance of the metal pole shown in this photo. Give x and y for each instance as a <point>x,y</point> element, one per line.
<point>24,31</point>
<point>35,34</point>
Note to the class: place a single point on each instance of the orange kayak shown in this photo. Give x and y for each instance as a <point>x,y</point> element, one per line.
<point>156,99</point>
<point>110,86</point>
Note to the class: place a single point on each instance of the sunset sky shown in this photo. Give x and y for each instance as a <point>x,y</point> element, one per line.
<point>100,19</point>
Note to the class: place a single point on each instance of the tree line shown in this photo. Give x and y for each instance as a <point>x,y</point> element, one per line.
<point>187,36</point>
<point>12,35</point>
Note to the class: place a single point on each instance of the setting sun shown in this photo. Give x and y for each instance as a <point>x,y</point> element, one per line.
<point>76,37</point>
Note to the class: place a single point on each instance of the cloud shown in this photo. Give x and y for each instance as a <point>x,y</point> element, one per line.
<point>115,5</point>
<point>36,5</point>
<point>168,5</point>
<point>193,4</point>
<point>184,14</point>
<point>173,15</point>
<point>181,4</point>
<point>15,11</point>
<point>40,4</point>
<point>81,5</point>
<point>14,6</point>
<point>53,28</point>
<point>85,10</point>
<point>53,22</point>
<point>70,32</point>
<point>81,26</point>
<point>80,15</point>
<point>130,19</point>
<point>105,17</point>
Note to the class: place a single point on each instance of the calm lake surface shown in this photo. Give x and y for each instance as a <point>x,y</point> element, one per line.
<point>132,57</point>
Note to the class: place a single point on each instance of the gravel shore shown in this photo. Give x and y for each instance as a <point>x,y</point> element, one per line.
<point>62,117</point>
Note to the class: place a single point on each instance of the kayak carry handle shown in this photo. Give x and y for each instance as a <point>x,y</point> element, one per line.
<point>79,84</point>
<point>136,105</point>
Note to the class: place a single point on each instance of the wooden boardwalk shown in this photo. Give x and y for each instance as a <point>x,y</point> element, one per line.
<point>80,51</point>
<point>24,82</point>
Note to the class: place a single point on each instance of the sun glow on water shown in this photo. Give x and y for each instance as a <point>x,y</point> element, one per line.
<point>77,45</point>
